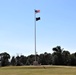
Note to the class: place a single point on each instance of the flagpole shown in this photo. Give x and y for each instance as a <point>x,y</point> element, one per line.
<point>36,19</point>
<point>35,35</point>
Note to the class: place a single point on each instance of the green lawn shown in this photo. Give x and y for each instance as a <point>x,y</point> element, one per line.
<point>39,70</point>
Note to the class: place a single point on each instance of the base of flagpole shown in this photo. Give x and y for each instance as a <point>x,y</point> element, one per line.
<point>35,63</point>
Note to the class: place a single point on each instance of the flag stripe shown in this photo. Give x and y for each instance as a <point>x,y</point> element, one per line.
<point>37,11</point>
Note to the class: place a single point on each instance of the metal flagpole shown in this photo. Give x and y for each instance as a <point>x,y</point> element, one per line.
<point>35,36</point>
<point>36,19</point>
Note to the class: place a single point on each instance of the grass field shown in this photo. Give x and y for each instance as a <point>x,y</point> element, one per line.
<point>38,70</point>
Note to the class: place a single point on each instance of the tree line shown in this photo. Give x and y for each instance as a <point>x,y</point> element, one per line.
<point>58,57</point>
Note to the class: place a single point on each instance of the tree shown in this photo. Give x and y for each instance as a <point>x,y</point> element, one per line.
<point>73,59</point>
<point>18,62</point>
<point>55,60</point>
<point>30,59</point>
<point>23,59</point>
<point>45,59</point>
<point>57,56</point>
<point>42,59</point>
<point>4,59</point>
<point>13,61</point>
<point>66,57</point>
